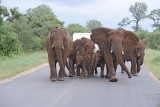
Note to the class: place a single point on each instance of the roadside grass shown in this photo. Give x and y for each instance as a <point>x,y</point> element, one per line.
<point>152,61</point>
<point>11,65</point>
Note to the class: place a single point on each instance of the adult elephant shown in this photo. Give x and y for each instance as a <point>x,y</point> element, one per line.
<point>99,36</point>
<point>133,50</point>
<point>104,39</point>
<point>116,39</point>
<point>59,45</point>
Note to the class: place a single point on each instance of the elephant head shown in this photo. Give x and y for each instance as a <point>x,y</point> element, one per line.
<point>57,37</point>
<point>115,41</point>
<point>140,51</point>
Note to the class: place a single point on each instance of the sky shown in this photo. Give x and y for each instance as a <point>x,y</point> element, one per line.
<point>108,12</point>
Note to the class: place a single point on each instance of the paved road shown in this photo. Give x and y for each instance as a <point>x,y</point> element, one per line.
<point>36,90</point>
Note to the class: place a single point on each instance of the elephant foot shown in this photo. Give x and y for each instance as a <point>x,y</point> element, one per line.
<point>106,76</point>
<point>53,78</point>
<point>60,78</point>
<point>70,75</point>
<point>102,76</point>
<point>82,77</point>
<point>129,75</point>
<point>65,74</point>
<point>113,79</point>
<point>77,74</point>
<point>122,71</point>
<point>134,74</point>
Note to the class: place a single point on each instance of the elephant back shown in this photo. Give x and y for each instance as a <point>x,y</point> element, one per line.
<point>130,40</point>
<point>100,35</point>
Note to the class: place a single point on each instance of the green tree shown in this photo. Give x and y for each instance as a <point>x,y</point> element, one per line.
<point>155,16</point>
<point>3,13</point>
<point>42,19</point>
<point>138,12</point>
<point>91,24</point>
<point>9,41</point>
<point>15,14</point>
<point>71,28</point>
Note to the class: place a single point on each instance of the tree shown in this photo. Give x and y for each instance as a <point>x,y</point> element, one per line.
<point>138,13</point>
<point>155,16</point>
<point>71,28</point>
<point>15,14</point>
<point>92,24</point>
<point>42,20</point>
<point>3,13</point>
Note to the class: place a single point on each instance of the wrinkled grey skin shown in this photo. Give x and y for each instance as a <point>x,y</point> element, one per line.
<point>59,46</point>
<point>139,54</point>
<point>116,39</point>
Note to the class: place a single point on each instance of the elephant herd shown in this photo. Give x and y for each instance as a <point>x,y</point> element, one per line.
<point>115,47</point>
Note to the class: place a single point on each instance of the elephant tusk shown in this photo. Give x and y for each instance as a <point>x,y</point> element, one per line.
<point>62,47</point>
<point>53,46</point>
<point>111,50</point>
<point>122,52</point>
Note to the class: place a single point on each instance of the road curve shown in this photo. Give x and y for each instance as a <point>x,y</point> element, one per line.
<point>36,90</point>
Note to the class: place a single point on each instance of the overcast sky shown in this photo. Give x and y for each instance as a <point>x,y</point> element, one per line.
<point>108,12</point>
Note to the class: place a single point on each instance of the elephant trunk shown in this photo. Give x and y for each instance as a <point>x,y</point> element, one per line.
<point>118,53</point>
<point>95,64</point>
<point>58,50</point>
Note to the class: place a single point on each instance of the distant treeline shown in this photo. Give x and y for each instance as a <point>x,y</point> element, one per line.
<point>21,33</point>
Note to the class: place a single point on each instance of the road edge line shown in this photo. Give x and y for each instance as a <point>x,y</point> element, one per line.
<point>152,75</point>
<point>23,73</point>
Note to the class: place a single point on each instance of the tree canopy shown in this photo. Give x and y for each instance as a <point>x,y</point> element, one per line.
<point>91,24</point>
<point>139,12</point>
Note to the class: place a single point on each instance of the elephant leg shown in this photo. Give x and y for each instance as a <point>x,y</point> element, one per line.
<point>64,62</point>
<point>102,70</point>
<point>96,72</point>
<point>83,70</point>
<point>138,68</point>
<point>78,71</point>
<point>111,70</point>
<point>53,72</point>
<point>107,74</point>
<point>133,68</point>
<point>71,66</point>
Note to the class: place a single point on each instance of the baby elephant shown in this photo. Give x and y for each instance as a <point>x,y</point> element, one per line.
<point>83,61</point>
<point>98,61</point>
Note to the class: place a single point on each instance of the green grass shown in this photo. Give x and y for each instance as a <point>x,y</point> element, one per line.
<point>11,65</point>
<point>152,61</point>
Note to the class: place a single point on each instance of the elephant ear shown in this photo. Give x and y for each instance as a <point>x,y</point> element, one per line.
<point>130,40</point>
<point>144,41</point>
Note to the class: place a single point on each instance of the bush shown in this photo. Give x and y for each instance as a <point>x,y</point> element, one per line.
<point>154,40</point>
<point>9,42</point>
<point>152,37</point>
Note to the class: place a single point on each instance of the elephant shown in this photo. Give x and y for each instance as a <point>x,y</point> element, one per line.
<point>89,46</point>
<point>78,45</point>
<point>59,46</point>
<point>104,37</point>
<point>116,39</point>
<point>98,61</point>
<point>133,49</point>
<point>83,61</point>
<point>139,54</point>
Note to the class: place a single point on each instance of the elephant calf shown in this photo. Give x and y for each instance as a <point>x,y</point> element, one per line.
<point>84,62</point>
<point>98,61</point>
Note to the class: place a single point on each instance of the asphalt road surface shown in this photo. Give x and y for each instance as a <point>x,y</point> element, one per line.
<point>36,90</point>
